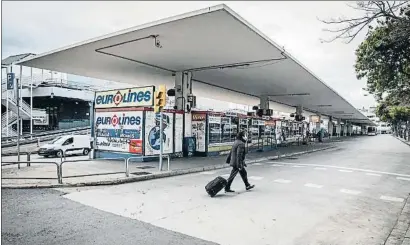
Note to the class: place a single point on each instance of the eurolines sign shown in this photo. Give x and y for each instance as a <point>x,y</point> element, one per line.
<point>131,97</point>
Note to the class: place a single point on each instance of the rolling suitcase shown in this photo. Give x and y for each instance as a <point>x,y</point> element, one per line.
<point>215,186</point>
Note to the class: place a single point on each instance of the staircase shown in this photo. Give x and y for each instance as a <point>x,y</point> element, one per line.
<point>4,125</point>
<point>25,108</point>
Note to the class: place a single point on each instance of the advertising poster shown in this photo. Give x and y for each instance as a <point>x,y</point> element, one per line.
<point>119,131</point>
<point>198,131</point>
<point>152,133</point>
<point>179,119</point>
<point>40,120</point>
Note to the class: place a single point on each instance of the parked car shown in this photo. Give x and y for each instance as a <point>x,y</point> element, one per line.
<point>68,145</point>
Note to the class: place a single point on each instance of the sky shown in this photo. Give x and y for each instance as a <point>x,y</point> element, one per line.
<point>37,27</point>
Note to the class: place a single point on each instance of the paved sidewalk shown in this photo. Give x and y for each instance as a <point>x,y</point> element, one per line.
<point>403,140</point>
<point>44,168</point>
<point>400,235</point>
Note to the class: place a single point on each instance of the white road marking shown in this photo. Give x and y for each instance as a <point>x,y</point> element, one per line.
<point>320,168</point>
<point>392,199</point>
<point>283,181</point>
<point>298,166</point>
<point>345,171</point>
<point>313,185</point>
<point>346,168</point>
<point>350,191</point>
<point>225,175</point>
<point>401,178</point>
<point>372,174</point>
<point>278,165</point>
<point>255,178</point>
<point>208,173</point>
<point>257,164</point>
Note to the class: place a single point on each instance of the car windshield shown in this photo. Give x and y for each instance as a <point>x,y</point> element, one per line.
<point>57,140</point>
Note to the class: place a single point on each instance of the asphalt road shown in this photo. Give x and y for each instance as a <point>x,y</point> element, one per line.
<point>349,195</point>
<point>45,217</point>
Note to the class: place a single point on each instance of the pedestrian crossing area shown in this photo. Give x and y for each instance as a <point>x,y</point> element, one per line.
<point>362,173</point>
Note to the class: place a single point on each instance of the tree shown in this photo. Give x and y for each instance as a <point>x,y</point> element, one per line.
<point>374,12</point>
<point>385,61</point>
<point>383,58</point>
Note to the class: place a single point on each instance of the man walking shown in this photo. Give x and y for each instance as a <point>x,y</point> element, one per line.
<point>237,161</point>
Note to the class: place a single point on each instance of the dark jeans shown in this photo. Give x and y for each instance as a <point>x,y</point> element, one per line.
<point>234,172</point>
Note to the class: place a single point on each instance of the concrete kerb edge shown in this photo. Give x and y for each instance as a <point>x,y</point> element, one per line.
<point>400,231</point>
<point>402,140</point>
<point>162,174</point>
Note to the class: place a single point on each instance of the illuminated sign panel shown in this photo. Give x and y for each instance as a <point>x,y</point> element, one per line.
<point>132,97</point>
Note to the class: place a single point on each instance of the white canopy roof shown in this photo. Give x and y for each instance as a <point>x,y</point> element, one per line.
<point>221,49</point>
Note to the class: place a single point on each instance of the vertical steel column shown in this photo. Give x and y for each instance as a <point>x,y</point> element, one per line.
<point>18,125</point>
<point>161,147</point>
<point>21,98</point>
<point>7,105</point>
<point>31,103</point>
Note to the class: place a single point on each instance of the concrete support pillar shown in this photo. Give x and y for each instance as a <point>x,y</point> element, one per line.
<point>299,110</point>
<point>264,102</point>
<point>345,129</point>
<point>364,130</point>
<point>338,127</point>
<point>317,126</point>
<point>183,88</point>
<point>330,127</point>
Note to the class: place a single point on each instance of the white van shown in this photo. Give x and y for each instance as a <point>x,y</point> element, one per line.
<point>68,144</point>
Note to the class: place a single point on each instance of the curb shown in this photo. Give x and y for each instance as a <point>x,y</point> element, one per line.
<point>402,140</point>
<point>162,174</point>
<point>400,231</point>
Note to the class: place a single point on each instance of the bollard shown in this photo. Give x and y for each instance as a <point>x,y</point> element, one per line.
<point>38,142</point>
<point>28,159</point>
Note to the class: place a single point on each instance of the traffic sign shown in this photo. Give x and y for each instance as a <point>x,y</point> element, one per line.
<point>10,81</point>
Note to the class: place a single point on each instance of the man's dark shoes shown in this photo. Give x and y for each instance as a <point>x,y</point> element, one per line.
<point>250,187</point>
<point>229,190</point>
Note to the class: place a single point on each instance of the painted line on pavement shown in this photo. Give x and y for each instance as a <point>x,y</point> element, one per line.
<point>373,174</point>
<point>346,168</point>
<point>350,191</point>
<point>298,166</point>
<point>277,165</point>
<point>257,164</point>
<point>283,181</point>
<point>225,175</point>
<point>208,173</point>
<point>255,177</point>
<point>392,199</point>
<point>345,171</point>
<point>313,185</point>
<point>320,168</point>
<point>401,178</point>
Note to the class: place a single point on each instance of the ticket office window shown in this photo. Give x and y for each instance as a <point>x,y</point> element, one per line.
<point>214,132</point>
<point>254,130</point>
<point>243,126</point>
<point>227,129</point>
<point>269,130</point>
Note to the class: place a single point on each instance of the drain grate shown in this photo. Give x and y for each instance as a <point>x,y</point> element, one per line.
<point>146,167</point>
<point>140,173</point>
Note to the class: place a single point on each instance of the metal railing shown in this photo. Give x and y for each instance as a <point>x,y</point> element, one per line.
<point>63,160</point>
<point>89,160</point>
<point>12,118</point>
<point>59,177</point>
<point>33,138</point>
<point>159,167</point>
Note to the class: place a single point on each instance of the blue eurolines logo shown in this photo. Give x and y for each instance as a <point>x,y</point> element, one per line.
<point>118,98</point>
<point>119,120</point>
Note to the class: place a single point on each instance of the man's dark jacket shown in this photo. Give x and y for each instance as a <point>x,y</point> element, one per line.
<point>236,157</point>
